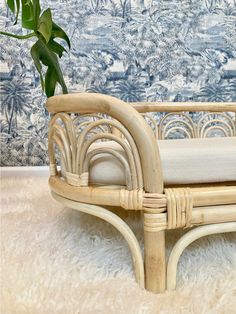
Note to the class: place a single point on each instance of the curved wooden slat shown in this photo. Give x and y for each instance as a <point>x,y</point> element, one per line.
<point>118,156</point>
<point>116,222</point>
<point>123,144</point>
<point>135,158</point>
<point>186,240</point>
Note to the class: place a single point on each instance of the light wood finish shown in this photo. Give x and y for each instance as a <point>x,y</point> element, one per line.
<point>212,120</point>
<point>125,114</point>
<point>186,240</point>
<point>213,214</point>
<point>151,121</point>
<point>209,123</point>
<point>199,216</point>
<point>144,107</point>
<point>156,203</point>
<point>107,196</point>
<point>175,121</point>
<point>214,195</point>
<point>178,206</point>
<point>155,261</point>
<point>116,222</point>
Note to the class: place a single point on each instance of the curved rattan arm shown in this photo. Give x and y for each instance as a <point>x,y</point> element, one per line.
<point>127,116</point>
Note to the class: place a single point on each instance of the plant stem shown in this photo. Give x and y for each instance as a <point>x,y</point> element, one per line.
<point>18,36</point>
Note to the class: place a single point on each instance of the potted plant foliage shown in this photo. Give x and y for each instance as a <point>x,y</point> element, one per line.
<point>45,50</point>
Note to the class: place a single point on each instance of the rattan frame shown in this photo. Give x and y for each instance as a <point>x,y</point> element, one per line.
<point>163,208</point>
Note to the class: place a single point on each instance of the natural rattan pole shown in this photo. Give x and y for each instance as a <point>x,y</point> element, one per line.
<point>155,263</point>
<point>183,106</point>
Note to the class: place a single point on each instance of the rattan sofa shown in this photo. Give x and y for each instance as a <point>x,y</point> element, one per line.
<point>105,153</point>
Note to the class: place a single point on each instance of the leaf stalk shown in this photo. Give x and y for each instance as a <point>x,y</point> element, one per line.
<point>18,36</point>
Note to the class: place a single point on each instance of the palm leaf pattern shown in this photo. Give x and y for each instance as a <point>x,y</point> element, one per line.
<point>136,50</point>
<point>14,101</point>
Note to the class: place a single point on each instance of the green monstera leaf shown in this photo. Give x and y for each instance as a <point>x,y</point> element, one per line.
<point>30,14</point>
<point>41,53</point>
<point>46,50</point>
<point>45,25</point>
<point>14,6</point>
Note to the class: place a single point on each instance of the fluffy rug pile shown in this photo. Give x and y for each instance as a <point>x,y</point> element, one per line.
<point>57,260</point>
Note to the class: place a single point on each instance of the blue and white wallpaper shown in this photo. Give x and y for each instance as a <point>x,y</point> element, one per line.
<point>137,50</point>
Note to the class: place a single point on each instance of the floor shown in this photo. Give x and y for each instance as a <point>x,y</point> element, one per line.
<point>56,260</point>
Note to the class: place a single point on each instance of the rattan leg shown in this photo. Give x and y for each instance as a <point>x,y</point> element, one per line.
<point>155,266</point>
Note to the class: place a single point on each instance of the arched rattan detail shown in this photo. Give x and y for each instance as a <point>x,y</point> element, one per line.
<point>174,129</point>
<point>92,117</point>
<point>132,152</point>
<point>132,121</point>
<point>118,156</point>
<point>225,127</point>
<point>216,127</point>
<point>57,140</point>
<point>62,134</point>
<point>82,155</point>
<point>74,149</point>
<point>68,124</point>
<point>87,115</point>
<point>67,137</point>
<point>85,123</point>
<point>183,121</point>
<point>216,121</point>
<point>153,123</point>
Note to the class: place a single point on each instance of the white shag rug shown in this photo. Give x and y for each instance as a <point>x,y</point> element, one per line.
<point>57,260</point>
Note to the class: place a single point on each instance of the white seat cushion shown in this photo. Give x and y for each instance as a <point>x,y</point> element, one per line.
<point>184,161</point>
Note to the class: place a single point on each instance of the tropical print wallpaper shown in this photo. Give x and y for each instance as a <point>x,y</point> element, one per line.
<point>137,50</point>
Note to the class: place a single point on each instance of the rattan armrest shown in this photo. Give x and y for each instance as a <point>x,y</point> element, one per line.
<point>131,121</point>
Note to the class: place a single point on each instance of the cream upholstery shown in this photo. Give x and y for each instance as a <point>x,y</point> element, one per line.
<point>183,161</point>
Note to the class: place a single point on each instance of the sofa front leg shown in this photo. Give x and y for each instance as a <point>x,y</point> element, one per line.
<point>155,261</point>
